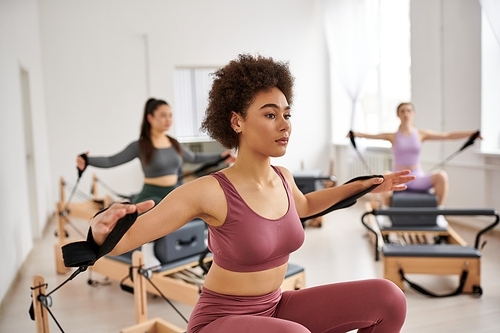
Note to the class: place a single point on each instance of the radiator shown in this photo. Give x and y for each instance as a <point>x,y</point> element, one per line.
<point>377,162</point>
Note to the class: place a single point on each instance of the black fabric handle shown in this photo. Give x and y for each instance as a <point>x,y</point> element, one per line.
<point>471,140</point>
<point>86,253</point>
<point>80,172</point>
<point>347,202</point>
<point>459,290</point>
<point>351,137</point>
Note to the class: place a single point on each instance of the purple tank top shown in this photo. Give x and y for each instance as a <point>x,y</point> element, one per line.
<point>406,149</point>
<point>248,242</point>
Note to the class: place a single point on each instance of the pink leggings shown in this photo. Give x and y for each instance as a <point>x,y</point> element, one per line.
<point>374,305</point>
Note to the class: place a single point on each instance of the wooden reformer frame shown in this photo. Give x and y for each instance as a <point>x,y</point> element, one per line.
<point>154,325</point>
<point>417,254</point>
<point>143,324</point>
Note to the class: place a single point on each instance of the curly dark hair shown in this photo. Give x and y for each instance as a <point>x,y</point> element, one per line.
<point>235,87</point>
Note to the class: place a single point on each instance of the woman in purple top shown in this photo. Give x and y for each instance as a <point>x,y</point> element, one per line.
<point>253,211</point>
<point>406,147</point>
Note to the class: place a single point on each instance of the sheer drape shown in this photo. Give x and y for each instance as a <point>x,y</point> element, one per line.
<point>492,10</point>
<point>352,33</point>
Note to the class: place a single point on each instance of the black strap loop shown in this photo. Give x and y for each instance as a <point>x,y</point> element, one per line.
<point>459,290</point>
<point>86,253</point>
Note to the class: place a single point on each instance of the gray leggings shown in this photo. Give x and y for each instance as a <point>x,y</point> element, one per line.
<point>152,192</point>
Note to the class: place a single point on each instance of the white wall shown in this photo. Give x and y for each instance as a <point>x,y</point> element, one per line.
<point>96,79</point>
<point>446,90</point>
<point>20,48</point>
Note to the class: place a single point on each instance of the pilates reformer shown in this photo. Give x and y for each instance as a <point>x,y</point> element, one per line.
<point>441,254</point>
<point>412,241</point>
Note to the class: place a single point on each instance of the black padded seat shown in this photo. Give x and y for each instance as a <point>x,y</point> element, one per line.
<point>413,199</point>
<point>436,251</point>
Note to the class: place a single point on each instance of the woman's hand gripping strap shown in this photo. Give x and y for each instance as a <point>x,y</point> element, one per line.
<point>347,202</point>
<point>80,172</point>
<point>86,253</point>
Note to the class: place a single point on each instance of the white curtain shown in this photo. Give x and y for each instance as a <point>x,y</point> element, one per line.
<point>492,10</point>
<point>352,33</point>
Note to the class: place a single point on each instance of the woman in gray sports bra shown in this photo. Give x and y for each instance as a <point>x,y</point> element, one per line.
<point>161,155</point>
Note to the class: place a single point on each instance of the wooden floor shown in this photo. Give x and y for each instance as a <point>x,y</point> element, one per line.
<point>338,251</point>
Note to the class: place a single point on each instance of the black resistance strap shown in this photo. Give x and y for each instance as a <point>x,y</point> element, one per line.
<point>353,142</point>
<point>469,142</point>
<point>80,173</point>
<point>460,288</point>
<point>347,202</point>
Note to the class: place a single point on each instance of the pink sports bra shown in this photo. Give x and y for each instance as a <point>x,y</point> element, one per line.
<point>406,149</point>
<point>248,242</point>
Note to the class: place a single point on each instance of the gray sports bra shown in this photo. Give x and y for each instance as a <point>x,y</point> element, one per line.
<point>165,161</point>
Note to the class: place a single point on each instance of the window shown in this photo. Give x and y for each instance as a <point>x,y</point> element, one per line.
<point>369,47</point>
<point>191,87</point>
<point>388,84</point>
<point>490,85</point>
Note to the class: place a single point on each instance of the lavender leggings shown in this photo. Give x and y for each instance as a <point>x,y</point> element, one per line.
<point>374,305</point>
<point>422,182</point>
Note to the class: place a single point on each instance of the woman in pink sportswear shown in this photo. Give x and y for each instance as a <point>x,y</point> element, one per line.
<point>253,211</point>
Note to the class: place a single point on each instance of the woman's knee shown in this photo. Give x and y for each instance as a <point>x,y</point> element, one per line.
<point>440,177</point>
<point>249,323</point>
<point>391,297</point>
